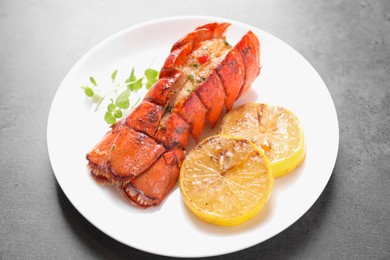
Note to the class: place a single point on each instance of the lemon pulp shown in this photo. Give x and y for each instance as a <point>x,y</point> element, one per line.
<point>274,129</point>
<point>225,180</point>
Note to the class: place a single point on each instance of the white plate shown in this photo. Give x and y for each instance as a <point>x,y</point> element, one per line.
<point>286,79</point>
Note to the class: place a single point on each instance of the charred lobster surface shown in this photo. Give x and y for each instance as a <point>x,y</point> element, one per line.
<point>141,155</point>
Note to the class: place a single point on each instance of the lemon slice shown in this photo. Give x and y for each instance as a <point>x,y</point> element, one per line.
<point>276,130</point>
<point>225,180</point>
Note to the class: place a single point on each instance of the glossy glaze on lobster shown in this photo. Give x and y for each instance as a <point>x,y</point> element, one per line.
<point>142,154</point>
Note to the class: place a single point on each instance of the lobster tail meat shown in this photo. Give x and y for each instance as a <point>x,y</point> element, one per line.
<point>192,41</point>
<point>200,34</point>
<point>202,75</point>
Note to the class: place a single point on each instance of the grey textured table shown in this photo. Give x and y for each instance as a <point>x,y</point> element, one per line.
<point>348,42</point>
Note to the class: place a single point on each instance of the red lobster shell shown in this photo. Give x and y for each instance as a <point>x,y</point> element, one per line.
<point>142,154</point>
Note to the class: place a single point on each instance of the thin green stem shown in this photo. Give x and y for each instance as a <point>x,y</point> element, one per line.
<point>107,94</point>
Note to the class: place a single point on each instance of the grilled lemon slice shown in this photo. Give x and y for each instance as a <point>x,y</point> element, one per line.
<point>225,180</point>
<point>274,129</point>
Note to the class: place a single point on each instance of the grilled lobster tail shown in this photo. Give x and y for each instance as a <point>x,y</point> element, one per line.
<point>142,154</point>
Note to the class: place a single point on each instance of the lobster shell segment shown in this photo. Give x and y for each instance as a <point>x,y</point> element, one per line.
<point>193,111</point>
<point>142,154</point>
<point>150,188</point>
<point>249,46</point>
<point>212,94</point>
<point>232,74</point>
<point>146,118</point>
<point>125,162</point>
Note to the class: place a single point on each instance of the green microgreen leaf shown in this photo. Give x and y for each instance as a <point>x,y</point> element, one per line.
<point>132,77</point>
<point>111,107</point>
<point>151,73</point>
<point>123,100</point>
<point>88,91</point>
<point>135,85</point>
<point>149,85</point>
<point>113,75</point>
<point>93,81</point>
<point>151,82</point>
<point>118,113</point>
<point>109,118</point>
<point>151,77</point>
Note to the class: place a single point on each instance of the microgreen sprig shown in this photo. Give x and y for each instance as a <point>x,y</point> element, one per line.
<point>120,93</point>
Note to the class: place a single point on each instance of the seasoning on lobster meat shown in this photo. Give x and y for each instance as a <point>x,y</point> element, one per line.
<point>141,155</point>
